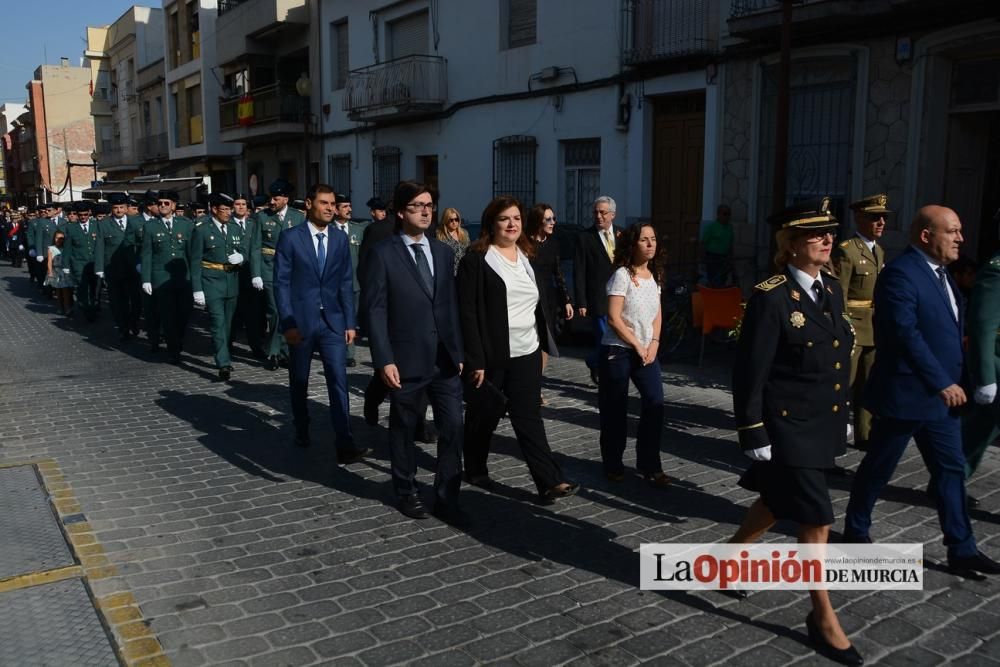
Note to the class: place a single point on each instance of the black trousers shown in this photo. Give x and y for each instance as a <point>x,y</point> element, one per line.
<point>377,391</point>
<point>126,304</point>
<point>173,309</point>
<point>250,306</point>
<point>521,383</point>
<point>406,408</point>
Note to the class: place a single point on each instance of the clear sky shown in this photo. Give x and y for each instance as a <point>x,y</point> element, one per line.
<point>38,32</point>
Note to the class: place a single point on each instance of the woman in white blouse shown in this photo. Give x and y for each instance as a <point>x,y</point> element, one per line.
<point>504,333</point>
<point>629,352</point>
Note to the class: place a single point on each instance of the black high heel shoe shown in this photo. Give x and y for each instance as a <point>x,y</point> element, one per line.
<point>845,656</point>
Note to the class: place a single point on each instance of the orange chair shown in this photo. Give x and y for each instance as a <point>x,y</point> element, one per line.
<point>720,310</point>
<point>697,308</point>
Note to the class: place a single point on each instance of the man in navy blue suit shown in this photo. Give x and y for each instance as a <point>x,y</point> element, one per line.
<point>915,387</point>
<point>314,293</point>
<point>412,306</point>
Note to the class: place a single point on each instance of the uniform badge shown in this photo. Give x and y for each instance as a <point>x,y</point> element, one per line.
<point>797,319</point>
<point>795,295</point>
<point>179,236</point>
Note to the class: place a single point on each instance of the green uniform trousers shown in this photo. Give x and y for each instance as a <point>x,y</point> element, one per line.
<point>220,312</point>
<point>862,361</point>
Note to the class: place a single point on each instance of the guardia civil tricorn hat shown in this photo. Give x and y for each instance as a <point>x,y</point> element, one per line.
<point>875,204</point>
<point>811,214</point>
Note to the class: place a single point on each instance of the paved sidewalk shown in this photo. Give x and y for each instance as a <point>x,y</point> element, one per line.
<point>243,550</point>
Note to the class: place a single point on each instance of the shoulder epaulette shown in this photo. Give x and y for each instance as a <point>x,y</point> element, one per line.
<point>771,283</point>
<point>844,244</point>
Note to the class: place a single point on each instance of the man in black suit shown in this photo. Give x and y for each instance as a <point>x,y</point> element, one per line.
<point>592,267</point>
<point>412,317</point>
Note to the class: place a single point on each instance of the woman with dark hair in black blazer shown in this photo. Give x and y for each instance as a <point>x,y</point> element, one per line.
<point>553,296</point>
<point>505,333</point>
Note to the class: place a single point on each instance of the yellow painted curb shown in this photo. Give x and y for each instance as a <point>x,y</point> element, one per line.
<point>38,578</point>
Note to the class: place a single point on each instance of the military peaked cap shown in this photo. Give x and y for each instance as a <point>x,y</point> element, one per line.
<point>875,204</point>
<point>342,199</point>
<point>117,198</point>
<point>281,188</point>
<point>812,214</point>
<point>375,204</point>
<point>220,199</point>
<point>169,194</point>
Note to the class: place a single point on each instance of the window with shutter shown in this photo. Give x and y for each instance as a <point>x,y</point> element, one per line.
<point>339,53</point>
<point>581,179</point>
<point>514,168</point>
<point>521,22</point>
<point>385,171</point>
<point>340,173</point>
<point>408,36</point>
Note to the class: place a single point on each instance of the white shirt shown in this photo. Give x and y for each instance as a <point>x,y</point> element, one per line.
<point>641,305</point>
<point>868,242</point>
<point>425,246</point>
<point>314,231</point>
<point>522,300</point>
<point>282,213</point>
<point>218,226</point>
<point>947,284</point>
<point>806,281</point>
<point>342,226</point>
<point>121,222</point>
<point>241,222</point>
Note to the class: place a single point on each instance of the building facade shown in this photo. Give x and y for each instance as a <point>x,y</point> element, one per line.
<point>129,114</point>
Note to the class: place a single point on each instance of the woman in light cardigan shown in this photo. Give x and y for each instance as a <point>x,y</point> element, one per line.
<point>505,332</point>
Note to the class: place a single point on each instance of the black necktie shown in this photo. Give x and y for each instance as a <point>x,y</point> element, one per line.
<point>821,297</point>
<point>422,268</point>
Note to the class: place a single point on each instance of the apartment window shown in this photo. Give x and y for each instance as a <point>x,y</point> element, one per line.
<point>514,168</point>
<point>193,95</point>
<point>581,179</point>
<point>408,36</point>
<point>175,129</point>
<point>194,30</point>
<point>339,168</point>
<point>385,171</point>
<point>518,22</point>
<point>338,51</point>
<point>173,37</point>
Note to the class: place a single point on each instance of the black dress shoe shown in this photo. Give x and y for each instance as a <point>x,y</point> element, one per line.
<point>353,456</point>
<point>972,501</point>
<point>225,373</point>
<point>302,439</point>
<point>272,363</point>
<point>593,376</point>
<point>861,445</point>
<point>283,362</point>
<point>451,515</point>
<point>482,481</point>
<point>845,656</point>
<point>427,435</point>
<point>175,359</point>
<point>979,563</point>
<point>412,507</point>
<point>351,363</point>
<point>559,491</point>
<point>855,539</point>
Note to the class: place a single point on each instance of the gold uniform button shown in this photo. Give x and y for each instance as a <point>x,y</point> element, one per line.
<point>809,343</point>
<point>836,408</point>
<point>784,413</point>
<point>837,366</point>
<point>836,343</point>
<point>836,387</point>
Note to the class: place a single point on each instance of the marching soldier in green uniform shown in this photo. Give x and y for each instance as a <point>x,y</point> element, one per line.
<point>166,275</point>
<point>355,232</point>
<point>43,231</point>
<point>78,260</point>
<point>119,241</point>
<point>217,252</point>
<point>281,217</point>
<point>856,265</point>
<point>981,425</point>
<point>250,302</point>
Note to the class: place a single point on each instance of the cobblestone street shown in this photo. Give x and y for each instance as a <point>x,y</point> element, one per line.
<point>240,549</point>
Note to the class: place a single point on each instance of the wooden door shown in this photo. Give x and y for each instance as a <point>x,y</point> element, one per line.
<point>678,167</point>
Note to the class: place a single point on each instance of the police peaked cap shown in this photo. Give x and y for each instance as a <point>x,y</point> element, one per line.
<point>281,188</point>
<point>150,197</point>
<point>239,195</point>
<point>116,198</point>
<point>169,194</point>
<point>342,199</point>
<point>84,205</point>
<point>876,204</point>
<point>812,214</point>
<point>298,204</point>
<point>102,208</point>
<point>220,199</point>
<point>259,200</point>
<point>376,204</point>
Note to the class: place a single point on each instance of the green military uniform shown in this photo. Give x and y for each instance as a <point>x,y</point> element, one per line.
<point>856,266</point>
<point>266,235</point>
<point>119,243</point>
<point>79,250</point>
<point>41,236</point>
<point>212,274</point>
<point>981,425</point>
<point>165,266</point>
<point>250,302</point>
<point>355,232</point>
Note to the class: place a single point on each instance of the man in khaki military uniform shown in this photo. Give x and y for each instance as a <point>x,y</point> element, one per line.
<point>856,264</point>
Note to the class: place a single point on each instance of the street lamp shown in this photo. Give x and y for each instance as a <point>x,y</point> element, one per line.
<point>93,159</point>
<point>304,88</point>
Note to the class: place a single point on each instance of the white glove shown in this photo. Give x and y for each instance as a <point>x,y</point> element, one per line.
<point>148,288</point>
<point>66,271</point>
<point>40,258</point>
<point>258,283</point>
<point>850,431</point>
<point>138,268</point>
<point>235,258</point>
<point>199,298</point>
<point>99,274</point>
<point>985,395</point>
<point>31,253</point>
<point>20,248</point>
<point>761,454</point>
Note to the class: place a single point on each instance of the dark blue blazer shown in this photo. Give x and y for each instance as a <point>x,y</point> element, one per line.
<point>308,298</point>
<point>406,323</point>
<point>918,341</point>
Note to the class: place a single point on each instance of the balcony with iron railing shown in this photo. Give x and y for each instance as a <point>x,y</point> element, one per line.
<point>116,157</point>
<point>759,18</point>
<point>659,30</point>
<point>153,147</point>
<point>266,112</point>
<point>407,86</point>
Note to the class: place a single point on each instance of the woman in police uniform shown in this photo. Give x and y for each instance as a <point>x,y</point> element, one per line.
<point>790,385</point>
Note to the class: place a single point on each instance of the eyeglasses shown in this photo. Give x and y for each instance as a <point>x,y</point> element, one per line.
<point>417,207</point>
<point>454,220</point>
<point>819,237</point>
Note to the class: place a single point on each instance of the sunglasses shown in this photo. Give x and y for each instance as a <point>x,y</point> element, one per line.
<point>165,202</point>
